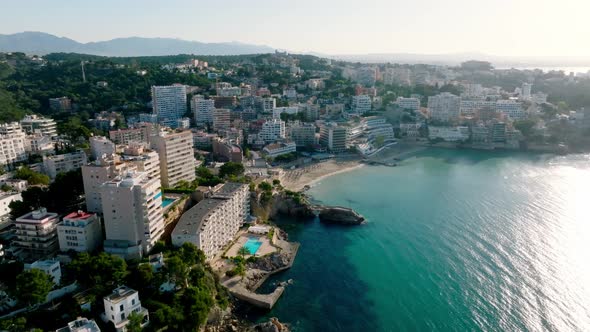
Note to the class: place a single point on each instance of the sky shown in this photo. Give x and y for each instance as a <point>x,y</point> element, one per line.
<point>494,27</point>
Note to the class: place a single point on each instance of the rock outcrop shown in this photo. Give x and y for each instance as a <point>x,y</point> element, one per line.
<point>290,205</point>
<point>273,325</point>
<point>271,262</point>
<point>340,215</point>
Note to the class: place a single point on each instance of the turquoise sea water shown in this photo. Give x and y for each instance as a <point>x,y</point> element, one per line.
<point>252,245</point>
<point>455,241</point>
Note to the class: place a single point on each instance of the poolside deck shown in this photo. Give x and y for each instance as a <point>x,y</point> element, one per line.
<point>265,248</point>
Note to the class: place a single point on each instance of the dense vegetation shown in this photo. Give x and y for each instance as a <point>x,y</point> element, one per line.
<point>194,291</point>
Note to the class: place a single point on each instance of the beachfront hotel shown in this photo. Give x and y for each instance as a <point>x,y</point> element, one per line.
<point>213,222</point>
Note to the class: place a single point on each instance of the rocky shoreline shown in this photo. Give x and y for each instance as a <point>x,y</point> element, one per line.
<point>298,205</point>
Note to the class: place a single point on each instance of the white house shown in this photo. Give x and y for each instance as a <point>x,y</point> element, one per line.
<point>120,304</point>
<point>49,267</point>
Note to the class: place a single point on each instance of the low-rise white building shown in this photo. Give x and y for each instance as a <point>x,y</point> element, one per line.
<point>120,304</point>
<point>408,103</point>
<point>278,149</point>
<point>79,231</point>
<point>80,325</point>
<point>361,104</point>
<point>511,108</point>
<point>410,129</point>
<point>5,200</point>
<point>50,267</point>
<point>53,165</point>
<point>277,111</point>
<point>449,134</point>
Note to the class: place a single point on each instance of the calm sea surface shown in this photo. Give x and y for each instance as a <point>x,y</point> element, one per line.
<point>455,241</point>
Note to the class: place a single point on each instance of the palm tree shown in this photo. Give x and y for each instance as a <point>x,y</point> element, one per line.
<point>243,251</point>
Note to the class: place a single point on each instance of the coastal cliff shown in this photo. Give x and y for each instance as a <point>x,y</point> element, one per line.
<point>292,204</point>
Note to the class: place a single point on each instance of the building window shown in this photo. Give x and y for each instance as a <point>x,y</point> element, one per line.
<point>123,316</point>
<point>133,302</point>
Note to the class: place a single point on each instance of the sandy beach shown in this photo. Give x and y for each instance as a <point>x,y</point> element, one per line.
<point>298,178</point>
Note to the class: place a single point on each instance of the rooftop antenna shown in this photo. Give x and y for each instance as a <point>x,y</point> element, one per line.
<point>83,73</point>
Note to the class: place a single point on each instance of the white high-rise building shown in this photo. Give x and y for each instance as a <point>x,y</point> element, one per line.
<point>177,159</point>
<point>136,156</point>
<point>444,107</point>
<point>202,110</point>
<point>333,137</point>
<point>213,222</point>
<point>361,104</point>
<point>303,134</point>
<point>268,104</point>
<point>12,144</point>
<point>272,130</point>
<point>133,219</point>
<point>169,103</point>
<point>221,119</point>
<point>32,124</point>
<point>526,91</point>
<point>100,146</point>
<point>95,174</point>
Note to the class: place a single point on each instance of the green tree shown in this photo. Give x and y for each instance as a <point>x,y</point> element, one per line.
<point>33,286</point>
<point>240,270</point>
<point>134,324</point>
<point>191,255</point>
<point>276,182</point>
<point>32,177</point>
<point>196,304</point>
<point>231,169</point>
<point>525,127</point>
<point>265,186</point>
<point>17,324</point>
<point>177,271</point>
<point>166,316</point>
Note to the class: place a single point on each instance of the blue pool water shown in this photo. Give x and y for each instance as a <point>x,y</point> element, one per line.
<point>252,245</point>
<point>167,201</point>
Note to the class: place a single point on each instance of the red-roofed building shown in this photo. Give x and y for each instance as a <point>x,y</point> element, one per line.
<point>79,231</point>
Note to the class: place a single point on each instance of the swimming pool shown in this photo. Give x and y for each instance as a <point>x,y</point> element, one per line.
<point>252,245</point>
<point>167,201</point>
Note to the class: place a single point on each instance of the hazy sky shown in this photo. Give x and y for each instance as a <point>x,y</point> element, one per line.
<point>498,27</point>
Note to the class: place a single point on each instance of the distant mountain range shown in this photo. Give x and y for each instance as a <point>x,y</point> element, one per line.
<point>41,43</point>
